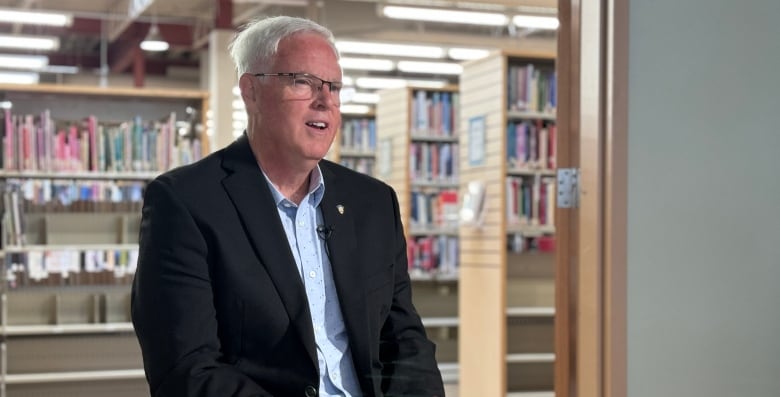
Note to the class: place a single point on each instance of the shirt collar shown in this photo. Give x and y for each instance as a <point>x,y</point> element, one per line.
<point>316,188</point>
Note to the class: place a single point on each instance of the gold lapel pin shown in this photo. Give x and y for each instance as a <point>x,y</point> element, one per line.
<point>340,208</point>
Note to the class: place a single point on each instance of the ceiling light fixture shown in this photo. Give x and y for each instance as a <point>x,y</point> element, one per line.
<point>535,22</point>
<point>445,16</point>
<point>355,109</point>
<point>365,97</point>
<point>60,69</point>
<point>154,42</point>
<point>377,83</point>
<point>384,65</point>
<point>19,77</point>
<point>36,18</point>
<point>430,67</point>
<point>467,54</point>
<point>346,93</point>
<point>29,42</point>
<point>27,62</point>
<point>350,95</point>
<point>387,49</point>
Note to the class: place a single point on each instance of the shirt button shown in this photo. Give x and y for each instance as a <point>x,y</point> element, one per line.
<point>312,274</point>
<point>301,223</point>
<point>288,205</point>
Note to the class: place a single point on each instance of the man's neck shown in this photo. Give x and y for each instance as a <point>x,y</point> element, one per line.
<point>290,178</point>
<point>293,184</point>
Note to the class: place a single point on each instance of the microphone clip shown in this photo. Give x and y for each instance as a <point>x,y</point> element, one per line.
<point>324,232</point>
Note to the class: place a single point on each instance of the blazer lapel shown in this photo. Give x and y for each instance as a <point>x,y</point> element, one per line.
<point>338,213</point>
<point>252,198</point>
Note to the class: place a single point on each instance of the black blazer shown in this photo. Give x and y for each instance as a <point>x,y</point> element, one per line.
<point>220,309</point>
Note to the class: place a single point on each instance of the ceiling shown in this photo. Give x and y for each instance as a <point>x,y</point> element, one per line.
<point>107,32</point>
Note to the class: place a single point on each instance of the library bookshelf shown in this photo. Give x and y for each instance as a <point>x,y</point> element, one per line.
<point>417,143</point>
<point>355,144</point>
<point>75,162</point>
<point>506,286</point>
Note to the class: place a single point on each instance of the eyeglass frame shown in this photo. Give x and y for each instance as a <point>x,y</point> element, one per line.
<point>294,75</point>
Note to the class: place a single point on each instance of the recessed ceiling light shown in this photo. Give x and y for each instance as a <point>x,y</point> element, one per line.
<point>355,109</point>
<point>388,49</point>
<point>535,22</point>
<point>446,16</point>
<point>384,65</point>
<point>29,42</point>
<point>467,54</point>
<point>19,77</point>
<point>36,18</point>
<point>430,67</point>
<point>13,61</point>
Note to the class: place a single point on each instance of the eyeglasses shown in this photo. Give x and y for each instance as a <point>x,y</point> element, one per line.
<point>306,86</point>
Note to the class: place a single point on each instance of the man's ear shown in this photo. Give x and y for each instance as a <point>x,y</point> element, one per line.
<point>246,84</point>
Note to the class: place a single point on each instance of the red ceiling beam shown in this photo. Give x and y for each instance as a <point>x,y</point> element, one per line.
<point>121,54</point>
<point>157,67</point>
<point>223,18</point>
<point>139,67</point>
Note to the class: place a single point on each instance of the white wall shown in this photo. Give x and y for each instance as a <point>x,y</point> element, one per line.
<point>704,198</point>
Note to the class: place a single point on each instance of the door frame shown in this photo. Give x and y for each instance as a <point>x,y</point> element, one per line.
<point>591,259</point>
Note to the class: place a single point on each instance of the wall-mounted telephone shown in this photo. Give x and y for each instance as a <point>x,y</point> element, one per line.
<point>472,211</point>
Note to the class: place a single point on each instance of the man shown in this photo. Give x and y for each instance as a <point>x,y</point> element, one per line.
<point>267,271</point>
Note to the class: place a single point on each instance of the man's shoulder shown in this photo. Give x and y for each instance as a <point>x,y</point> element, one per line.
<point>200,173</point>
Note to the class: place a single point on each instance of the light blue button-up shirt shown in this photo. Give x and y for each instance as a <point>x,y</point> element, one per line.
<point>337,372</point>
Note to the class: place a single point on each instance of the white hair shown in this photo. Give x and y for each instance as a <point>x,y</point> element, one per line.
<point>258,41</point>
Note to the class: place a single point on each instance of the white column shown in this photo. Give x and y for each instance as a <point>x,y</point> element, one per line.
<point>221,80</point>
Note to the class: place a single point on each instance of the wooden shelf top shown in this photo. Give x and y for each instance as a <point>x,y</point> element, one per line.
<point>416,231</point>
<point>444,88</point>
<point>529,115</point>
<point>528,311</point>
<point>348,152</point>
<point>433,184</point>
<point>530,358</point>
<point>129,176</point>
<point>427,136</point>
<point>65,247</point>
<point>530,231</point>
<point>74,376</point>
<point>441,322</point>
<point>46,329</point>
<point>541,54</point>
<point>162,93</point>
<point>529,171</point>
<point>448,277</point>
<point>531,394</point>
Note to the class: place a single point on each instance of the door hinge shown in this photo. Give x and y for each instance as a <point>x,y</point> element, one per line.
<point>568,188</point>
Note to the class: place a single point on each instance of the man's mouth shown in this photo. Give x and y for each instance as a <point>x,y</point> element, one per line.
<point>317,124</point>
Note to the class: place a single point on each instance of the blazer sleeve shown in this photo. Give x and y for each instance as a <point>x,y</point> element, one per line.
<point>407,355</point>
<point>172,306</point>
